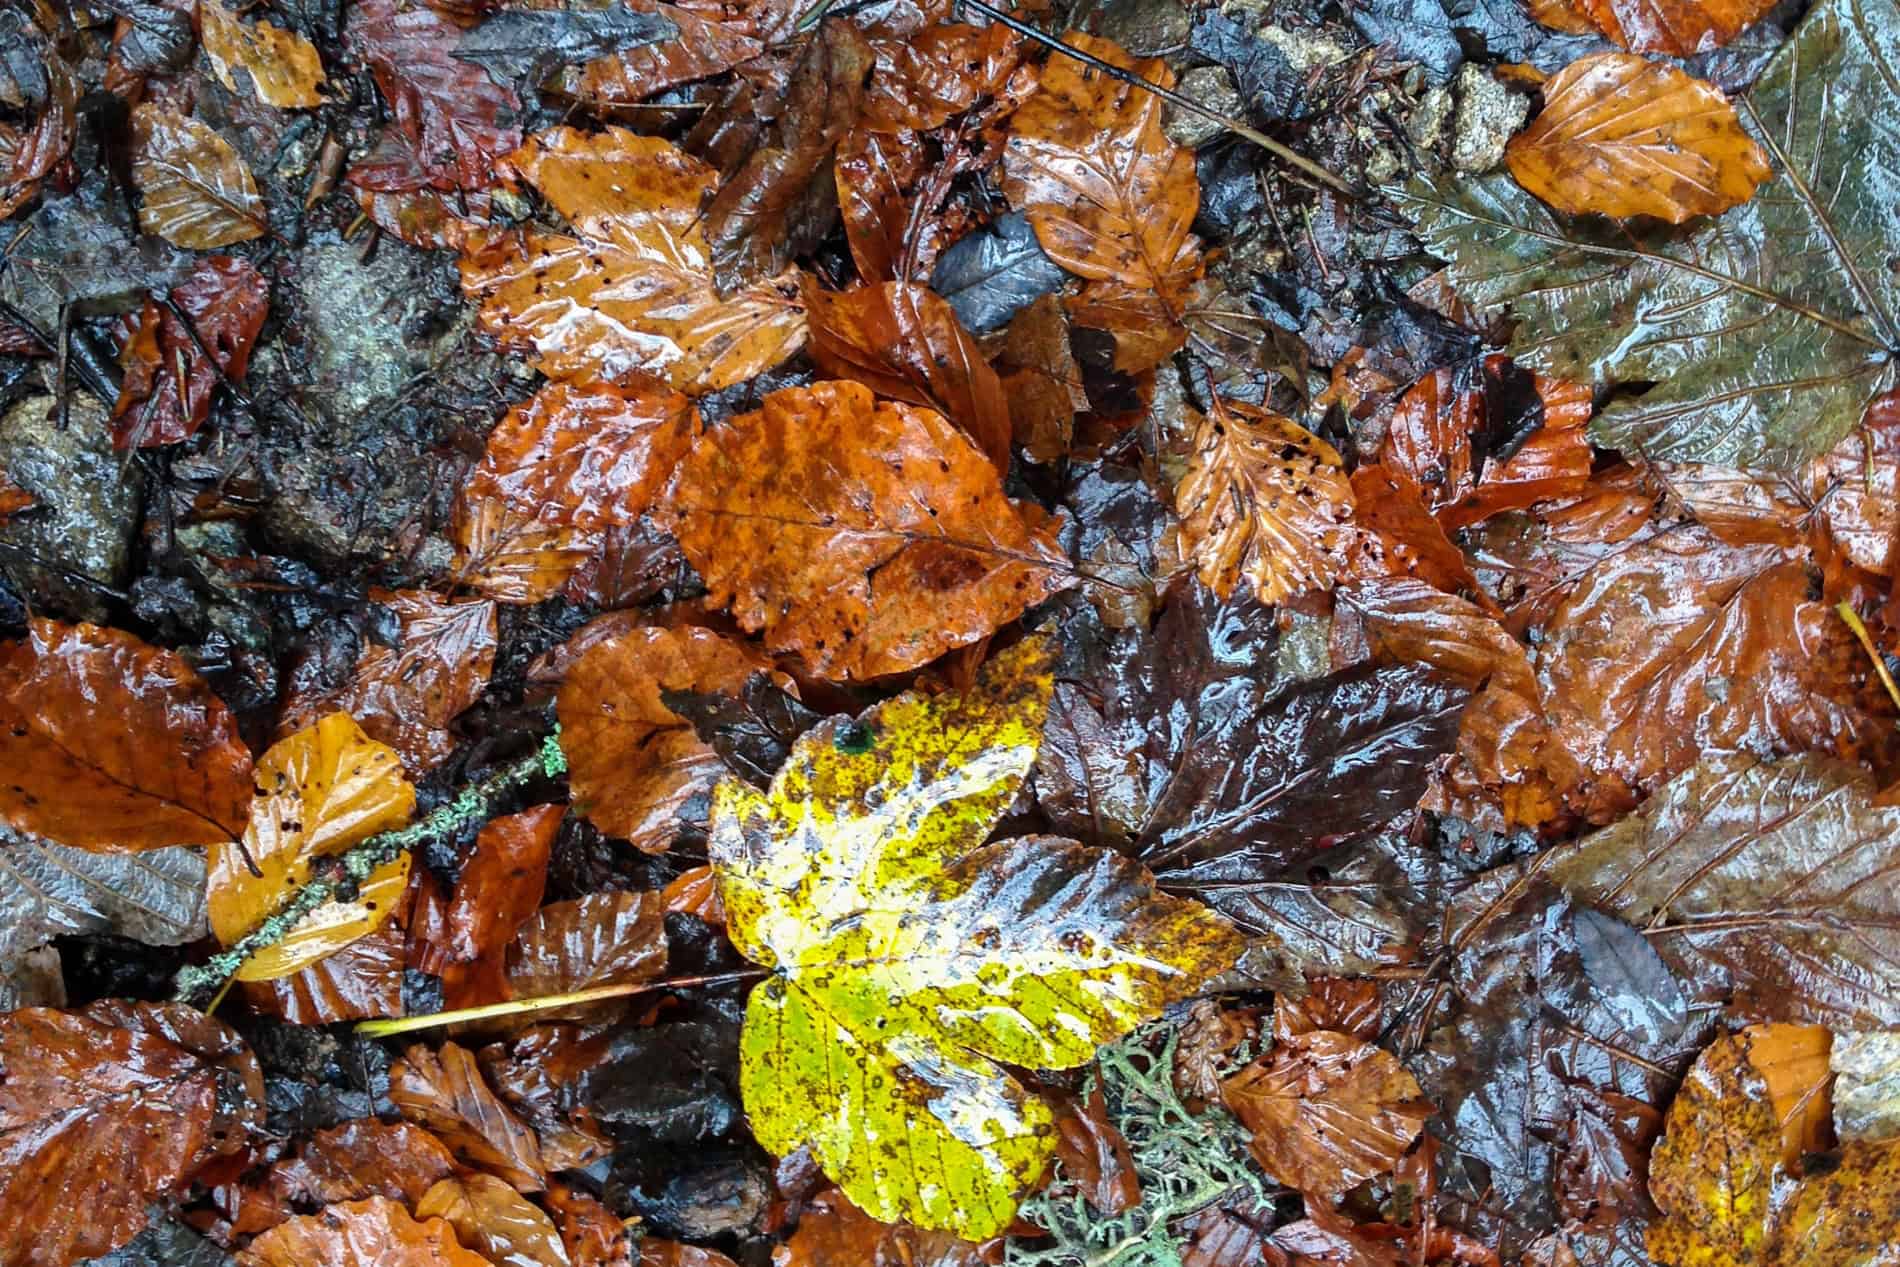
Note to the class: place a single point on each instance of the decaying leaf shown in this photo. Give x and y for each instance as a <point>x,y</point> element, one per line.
<point>600,939</point>
<point>832,1232</point>
<point>283,67</point>
<point>908,958</point>
<point>156,896</point>
<point>196,191</point>
<point>364,1158</point>
<point>111,744</point>
<point>866,537</point>
<point>319,791</point>
<point>633,292</point>
<point>1623,136</point>
<point>463,938</point>
<point>105,1110</point>
<point>713,35</point>
<point>225,300</point>
<point>373,1233</point>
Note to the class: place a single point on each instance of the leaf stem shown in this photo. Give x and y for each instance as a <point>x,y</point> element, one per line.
<point>519,1007</point>
<point>1845,610</point>
<point>333,875</point>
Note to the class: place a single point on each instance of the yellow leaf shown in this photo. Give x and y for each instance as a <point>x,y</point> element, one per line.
<point>283,66</point>
<point>911,962</point>
<point>319,791</point>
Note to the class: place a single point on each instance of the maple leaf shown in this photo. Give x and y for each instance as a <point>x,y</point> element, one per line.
<point>112,744</point>
<point>196,191</point>
<point>320,790</point>
<point>1765,332</point>
<point>282,66</point>
<point>1623,136</point>
<point>633,292</point>
<point>377,1232</point>
<point>867,537</point>
<point>123,1102</point>
<point>909,960</point>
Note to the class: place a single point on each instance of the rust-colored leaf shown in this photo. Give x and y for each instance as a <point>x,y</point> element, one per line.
<point>110,744</point>
<point>364,1158</point>
<point>1400,536</point>
<point>655,1252</point>
<point>834,1233</point>
<point>196,191</point>
<point>225,301</point>
<point>695,892</point>
<point>491,1217</point>
<point>638,770</point>
<point>1346,1005</point>
<point>427,218</point>
<point>600,939</point>
<point>634,292</point>
<point>1793,1063</point>
<point>373,1233</point>
<point>445,1092</point>
<point>923,81</point>
<point>592,1235</point>
<point>464,938</point>
<point>360,981</point>
<point>1623,136</point>
<point>904,342</point>
<point>1041,381</point>
<point>1327,1111</point>
<point>560,475</point>
<point>1675,28</point>
<point>868,538</point>
<point>106,1110</point>
<point>714,35</point>
<point>1095,1157</point>
<point>283,67</point>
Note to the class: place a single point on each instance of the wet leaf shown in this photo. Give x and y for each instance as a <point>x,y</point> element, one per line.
<point>121,1102</point>
<point>1095,1156</point>
<point>111,744</point>
<point>445,1092</point>
<point>907,952</point>
<point>406,695</point>
<point>1622,136</point>
<point>655,1252</point>
<point>1328,1111</point>
<point>1798,268</point>
<point>225,301</point>
<point>1110,197</point>
<point>1793,1063</point>
<point>464,937</point>
<point>600,939</point>
<point>866,537</point>
<point>635,291</point>
<point>48,890</point>
<point>364,1158</point>
<point>491,1217</point>
<point>637,769</point>
<point>834,1233</point>
<point>989,276</point>
<point>373,1233</point>
<point>592,1235</point>
<point>559,476</point>
<point>283,67</point>
<point>197,192</point>
<point>524,47</point>
<point>1675,27</point>
<point>319,791</point>
<point>713,35</point>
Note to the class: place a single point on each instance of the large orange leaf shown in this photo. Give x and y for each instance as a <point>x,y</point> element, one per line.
<point>1677,28</point>
<point>320,791</point>
<point>1623,136</point>
<point>637,769</point>
<point>868,538</point>
<point>106,1110</point>
<point>283,67</point>
<point>1110,197</point>
<point>560,474</point>
<point>634,291</point>
<point>373,1233</point>
<point>108,743</point>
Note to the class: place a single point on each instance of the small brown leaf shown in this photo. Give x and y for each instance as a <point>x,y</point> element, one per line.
<point>225,300</point>
<point>364,1158</point>
<point>1095,1157</point>
<point>446,1093</point>
<point>714,36</point>
<point>1676,28</point>
<point>834,1233</point>
<point>592,1235</point>
<point>464,938</point>
<point>197,192</point>
<point>283,67</point>
<point>492,1217</point>
<point>600,939</point>
<point>373,1233</point>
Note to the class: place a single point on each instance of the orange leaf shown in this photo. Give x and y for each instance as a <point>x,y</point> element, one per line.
<point>1623,136</point>
<point>714,36</point>
<point>373,1233</point>
<point>1793,1061</point>
<point>464,938</point>
<point>923,81</point>
<point>592,1235</point>
<point>1677,28</point>
<point>492,1217</point>
<point>13,498</point>
<point>364,1158</point>
<point>696,892</point>
<point>655,1252</point>
<point>446,1093</point>
<point>110,744</point>
<point>283,67</point>
<point>868,538</point>
<point>834,1233</point>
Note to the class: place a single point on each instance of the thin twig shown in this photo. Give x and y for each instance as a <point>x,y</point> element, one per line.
<point>518,1007</point>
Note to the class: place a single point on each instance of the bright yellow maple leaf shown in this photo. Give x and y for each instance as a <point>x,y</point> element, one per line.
<point>911,961</point>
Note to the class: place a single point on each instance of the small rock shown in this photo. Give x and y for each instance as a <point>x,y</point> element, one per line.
<point>1488,114</point>
<point>1214,88</point>
<point>1146,28</point>
<point>86,506</point>
<point>1305,49</point>
<point>1427,124</point>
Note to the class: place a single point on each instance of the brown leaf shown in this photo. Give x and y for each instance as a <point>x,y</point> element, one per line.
<point>106,1110</point>
<point>904,342</point>
<point>1209,1039</point>
<point>714,36</point>
<point>13,499</point>
<point>1327,1111</point>
<point>464,938</point>
<point>427,218</point>
<point>1676,28</point>
<point>1401,538</point>
<point>407,694</point>
<point>372,1233</point>
<point>26,160</point>
<point>635,291</point>
<point>636,769</point>
<point>1793,1063</point>
<point>834,1233</point>
<point>446,1093</point>
<point>924,80</point>
<point>655,1252</point>
<point>560,475</point>
<point>1041,381</point>
<point>1554,463</point>
<point>592,1235</point>
<point>283,67</point>
<point>111,744</point>
<point>360,981</point>
<point>868,538</point>
<point>1623,136</point>
<point>600,939</point>
<point>491,1217</point>
<point>364,1158</point>
<point>1095,1157</point>
<point>695,892</point>
<point>874,170</point>
<point>197,193</point>
<point>225,300</point>
<point>1111,198</point>
<point>1346,1005</point>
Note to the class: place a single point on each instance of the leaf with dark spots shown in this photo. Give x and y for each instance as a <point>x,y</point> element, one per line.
<point>989,276</point>
<point>522,48</point>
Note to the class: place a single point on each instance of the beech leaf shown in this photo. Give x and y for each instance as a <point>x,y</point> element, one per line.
<point>197,192</point>
<point>377,1232</point>
<point>156,896</point>
<point>283,67</point>
<point>491,1217</point>
<point>910,961</point>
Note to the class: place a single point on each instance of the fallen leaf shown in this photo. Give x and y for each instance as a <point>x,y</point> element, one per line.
<point>868,538</point>
<point>361,981</point>
<point>1674,27</point>
<point>464,937</point>
<point>1328,1111</point>
<point>224,301</point>
<point>525,47</point>
<point>196,191</point>
<point>427,218</point>
<point>46,890</point>
<point>283,67</point>
<point>1094,1155</point>
<point>121,1103</point>
<point>924,81</point>
<point>319,791</point>
<point>635,291</point>
<point>655,1252</point>
<point>832,1232</point>
<point>592,1235</point>
<point>695,892</point>
<point>364,1158</point>
<point>445,1092</point>
<point>13,499</point>
<point>600,939</point>
<point>1793,1063</point>
<point>1623,136</point>
<point>637,770</point>
<point>714,36</point>
<point>1344,1005</point>
<point>111,744</point>
<point>373,1233</point>
<point>494,1219</point>
<point>1799,267</point>
<point>987,277</point>
<point>1041,381</point>
<point>1399,537</point>
<point>906,951</point>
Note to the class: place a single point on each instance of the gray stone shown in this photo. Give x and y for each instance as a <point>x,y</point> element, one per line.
<point>1488,115</point>
<point>1146,28</point>
<point>86,506</point>
<point>1306,49</point>
<point>1212,87</point>
<point>1427,124</point>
